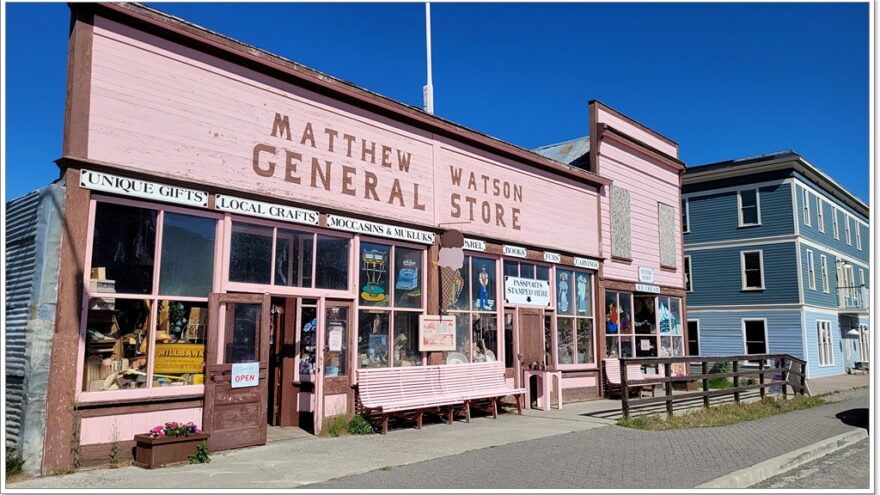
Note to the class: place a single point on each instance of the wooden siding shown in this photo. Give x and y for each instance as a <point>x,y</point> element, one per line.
<point>102,429</point>
<point>812,333</point>
<point>716,276</point>
<point>826,238</point>
<point>649,182</point>
<point>818,297</point>
<point>721,331</point>
<point>714,216</point>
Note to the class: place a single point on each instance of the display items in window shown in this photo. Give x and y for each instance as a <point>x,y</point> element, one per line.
<point>407,285</point>
<point>564,292</point>
<point>406,339</point>
<point>123,249</point>
<point>373,339</point>
<point>181,329</point>
<point>485,338</point>
<point>117,346</point>
<point>374,274</point>
<point>483,282</point>
<point>336,319</point>
<point>307,340</point>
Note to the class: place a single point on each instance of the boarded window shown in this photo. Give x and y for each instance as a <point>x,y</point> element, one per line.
<point>666,215</point>
<point>620,224</point>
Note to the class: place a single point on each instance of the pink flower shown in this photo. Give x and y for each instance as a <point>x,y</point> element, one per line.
<point>198,430</point>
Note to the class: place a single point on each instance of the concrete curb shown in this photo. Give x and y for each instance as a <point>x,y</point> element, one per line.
<point>749,476</point>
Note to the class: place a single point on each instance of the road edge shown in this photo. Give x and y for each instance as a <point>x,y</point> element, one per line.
<point>761,471</point>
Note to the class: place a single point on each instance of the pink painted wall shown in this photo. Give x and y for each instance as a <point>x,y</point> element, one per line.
<point>101,429</point>
<point>649,182</point>
<point>606,117</point>
<point>164,109</point>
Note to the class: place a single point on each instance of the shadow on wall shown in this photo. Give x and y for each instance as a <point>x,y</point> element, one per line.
<point>854,417</point>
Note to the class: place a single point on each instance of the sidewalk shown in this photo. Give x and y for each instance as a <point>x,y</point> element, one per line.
<point>580,449</point>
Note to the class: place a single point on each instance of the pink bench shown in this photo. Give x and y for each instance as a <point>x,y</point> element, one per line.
<point>633,372</point>
<point>474,382</point>
<point>400,392</point>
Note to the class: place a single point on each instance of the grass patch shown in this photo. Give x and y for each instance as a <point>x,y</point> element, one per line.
<point>343,425</point>
<point>721,415</point>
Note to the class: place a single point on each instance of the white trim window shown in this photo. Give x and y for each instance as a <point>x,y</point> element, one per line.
<point>754,336</point>
<point>826,347</point>
<point>848,232</point>
<point>862,277</point>
<point>693,337</point>
<point>864,344</point>
<point>858,235</point>
<point>685,216</point>
<point>752,266</point>
<point>820,214</point>
<point>834,223</point>
<point>806,199</point>
<point>749,205</point>
<point>826,287</point>
<point>688,276</point>
<point>811,270</point>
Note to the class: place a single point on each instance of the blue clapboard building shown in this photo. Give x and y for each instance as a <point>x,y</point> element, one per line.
<point>777,261</point>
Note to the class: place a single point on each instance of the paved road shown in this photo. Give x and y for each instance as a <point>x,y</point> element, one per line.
<point>615,457</point>
<point>847,468</point>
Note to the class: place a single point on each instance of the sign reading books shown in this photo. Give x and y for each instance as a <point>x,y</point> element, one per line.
<point>526,291</point>
<point>245,374</point>
<point>436,333</point>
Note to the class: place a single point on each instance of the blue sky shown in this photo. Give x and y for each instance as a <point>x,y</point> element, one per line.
<point>724,80</point>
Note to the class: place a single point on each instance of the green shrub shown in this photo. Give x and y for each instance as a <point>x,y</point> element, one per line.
<point>335,426</point>
<point>14,463</point>
<point>719,383</point>
<point>359,426</point>
<point>720,367</point>
<point>201,455</point>
<point>114,453</point>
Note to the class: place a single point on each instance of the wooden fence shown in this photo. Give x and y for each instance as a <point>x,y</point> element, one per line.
<point>762,366</point>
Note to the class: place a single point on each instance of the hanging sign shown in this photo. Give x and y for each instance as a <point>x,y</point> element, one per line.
<point>379,229</point>
<point>334,339</point>
<point>586,263</point>
<point>526,291</point>
<point>436,333</point>
<point>99,181</point>
<point>474,245</point>
<point>646,275</point>
<point>552,257</point>
<point>516,251</point>
<point>265,210</point>
<point>648,288</point>
<point>245,374</point>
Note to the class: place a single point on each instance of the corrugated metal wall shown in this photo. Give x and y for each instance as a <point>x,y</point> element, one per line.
<point>21,228</point>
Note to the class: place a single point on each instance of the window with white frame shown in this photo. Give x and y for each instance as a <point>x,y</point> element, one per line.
<point>806,200</point>
<point>834,223</point>
<point>858,235</point>
<point>820,214</point>
<point>864,344</point>
<point>749,207</point>
<point>848,232</point>
<point>755,336</point>
<point>861,277</point>
<point>685,216</point>
<point>688,281</point>
<point>811,270</point>
<point>825,285</point>
<point>826,350</point>
<point>752,270</point>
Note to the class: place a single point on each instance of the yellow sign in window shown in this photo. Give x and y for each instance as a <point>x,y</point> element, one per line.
<point>179,358</point>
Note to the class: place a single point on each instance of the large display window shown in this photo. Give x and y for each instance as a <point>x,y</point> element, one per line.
<point>150,271</point>
<point>474,305</point>
<point>575,331</point>
<point>391,296</point>
<point>642,326</point>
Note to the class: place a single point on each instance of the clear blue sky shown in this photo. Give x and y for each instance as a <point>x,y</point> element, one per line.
<point>724,80</point>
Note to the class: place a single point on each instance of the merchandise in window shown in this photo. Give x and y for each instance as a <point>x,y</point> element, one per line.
<point>645,326</point>
<point>307,338</point>
<point>117,344</point>
<point>483,283</point>
<point>618,324</point>
<point>408,285</point>
<point>181,330</point>
<point>406,339</point>
<point>574,321</point>
<point>374,275</point>
<point>293,258</point>
<point>123,248</point>
<point>373,339</point>
<point>485,337</point>
<point>476,331</point>
<point>336,319</point>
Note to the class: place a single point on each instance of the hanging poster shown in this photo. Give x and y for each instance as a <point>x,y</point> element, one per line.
<point>436,333</point>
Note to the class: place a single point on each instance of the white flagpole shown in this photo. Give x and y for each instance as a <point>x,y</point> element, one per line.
<point>428,90</point>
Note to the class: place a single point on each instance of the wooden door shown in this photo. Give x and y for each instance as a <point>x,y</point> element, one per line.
<point>531,336</point>
<point>336,395</point>
<point>512,355</point>
<point>236,417</point>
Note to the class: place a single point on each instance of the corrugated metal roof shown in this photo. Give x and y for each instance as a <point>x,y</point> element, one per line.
<point>575,152</point>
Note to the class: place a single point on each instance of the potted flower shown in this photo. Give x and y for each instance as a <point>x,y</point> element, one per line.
<point>165,444</point>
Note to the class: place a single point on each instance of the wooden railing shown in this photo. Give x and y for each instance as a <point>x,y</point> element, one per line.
<point>780,364</point>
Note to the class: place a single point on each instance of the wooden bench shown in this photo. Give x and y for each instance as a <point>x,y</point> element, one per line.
<point>475,382</point>
<point>633,372</point>
<point>401,392</point>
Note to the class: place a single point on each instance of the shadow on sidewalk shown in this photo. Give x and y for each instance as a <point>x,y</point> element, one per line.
<point>854,417</point>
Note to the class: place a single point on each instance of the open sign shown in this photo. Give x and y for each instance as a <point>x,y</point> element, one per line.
<point>245,375</point>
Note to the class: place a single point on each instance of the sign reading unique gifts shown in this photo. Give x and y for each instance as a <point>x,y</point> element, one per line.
<point>436,333</point>
<point>527,291</point>
<point>179,358</point>
<point>245,374</point>
<point>99,181</point>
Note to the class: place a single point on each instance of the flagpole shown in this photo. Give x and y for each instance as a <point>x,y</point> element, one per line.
<point>428,90</point>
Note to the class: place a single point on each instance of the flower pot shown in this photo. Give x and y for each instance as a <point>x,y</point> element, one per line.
<point>160,451</point>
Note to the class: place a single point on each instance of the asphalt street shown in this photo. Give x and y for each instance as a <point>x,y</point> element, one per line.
<point>847,468</point>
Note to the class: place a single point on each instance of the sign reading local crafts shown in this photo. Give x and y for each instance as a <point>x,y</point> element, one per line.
<point>586,263</point>
<point>179,358</point>
<point>436,333</point>
<point>245,374</point>
<point>100,181</point>
<point>516,251</point>
<point>474,245</point>
<point>647,288</point>
<point>526,291</point>
<point>646,275</point>
<point>379,229</point>
<point>266,210</point>
<point>552,257</point>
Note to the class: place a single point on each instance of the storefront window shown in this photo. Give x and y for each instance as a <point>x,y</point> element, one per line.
<point>406,339</point>
<point>293,258</point>
<point>618,324</point>
<point>373,339</point>
<point>250,254</point>
<point>408,284</point>
<point>181,329</point>
<point>331,270</point>
<point>483,283</point>
<point>307,338</point>
<point>123,248</point>
<point>485,337</point>
<point>477,329</point>
<point>574,322</point>
<point>336,341</point>
<point>645,326</point>
<point>457,288</point>
<point>117,340</point>
<point>187,255</point>
<point>374,275</point>
<point>548,340</point>
<point>671,337</point>
<point>243,339</point>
